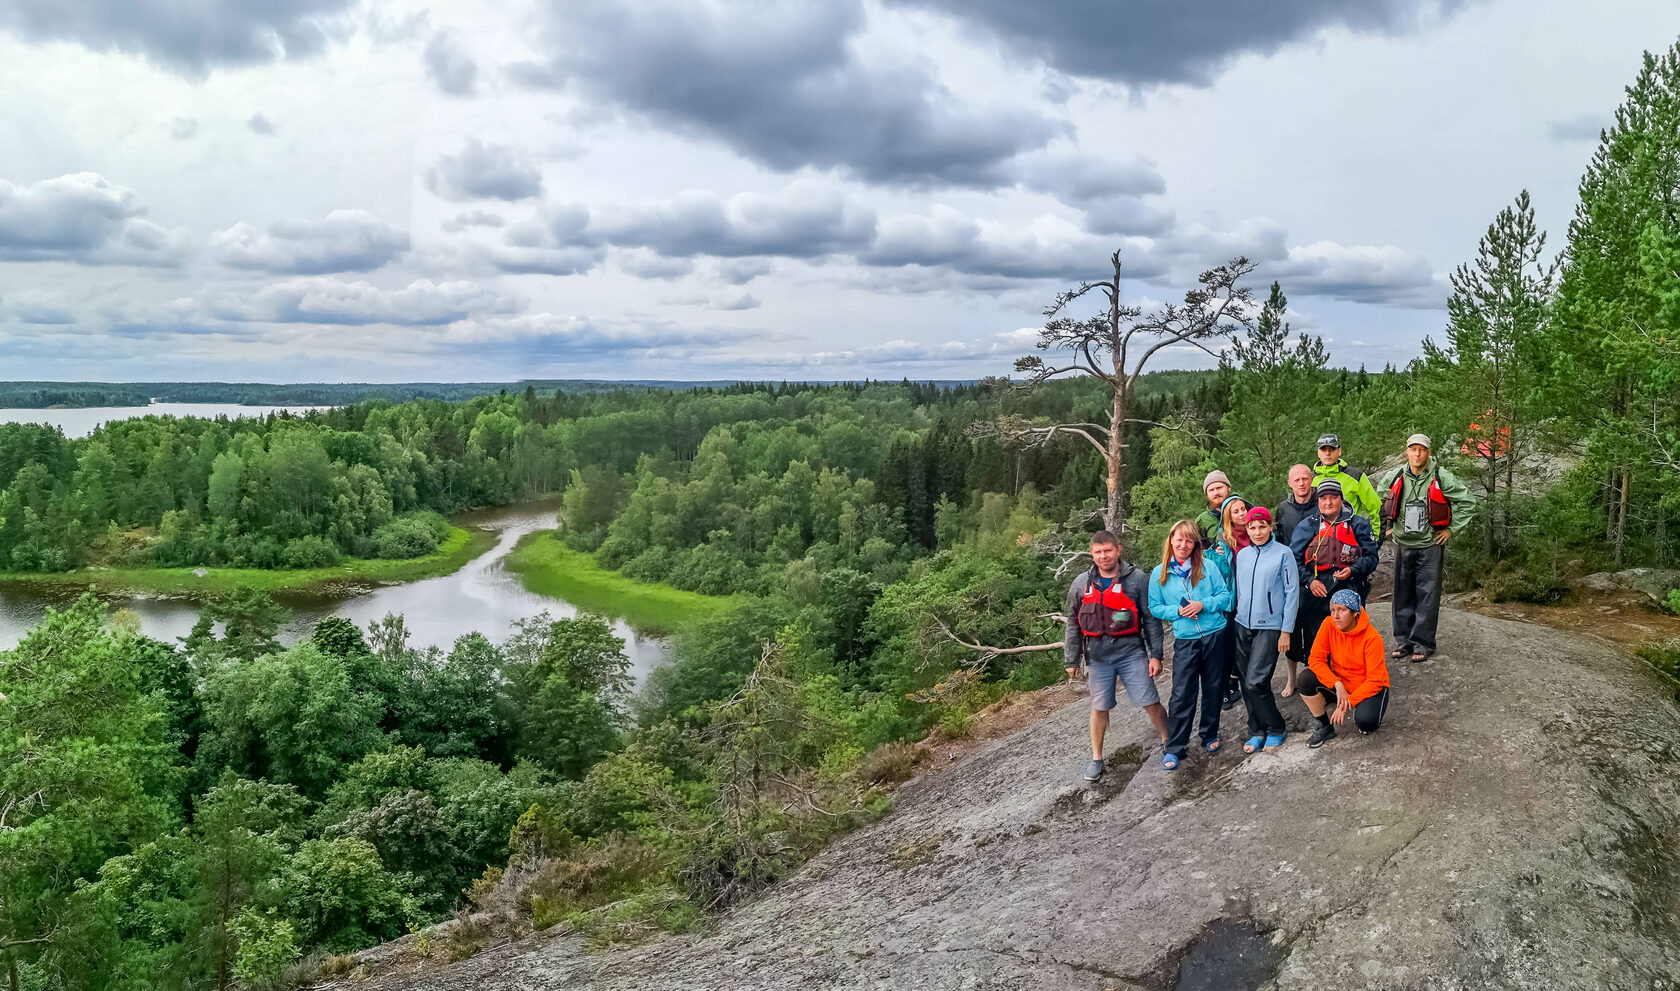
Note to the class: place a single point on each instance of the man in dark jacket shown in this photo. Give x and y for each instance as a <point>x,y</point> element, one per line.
<point>1336,549</point>
<point>1109,626</point>
<point>1298,504</point>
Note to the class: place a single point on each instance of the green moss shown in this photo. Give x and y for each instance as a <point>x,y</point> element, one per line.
<point>548,567</point>
<point>457,549</point>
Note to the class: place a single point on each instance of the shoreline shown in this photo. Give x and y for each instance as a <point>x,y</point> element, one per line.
<point>461,547</point>
<point>549,568</point>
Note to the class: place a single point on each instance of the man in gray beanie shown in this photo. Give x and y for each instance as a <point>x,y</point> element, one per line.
<point>1216,488</point>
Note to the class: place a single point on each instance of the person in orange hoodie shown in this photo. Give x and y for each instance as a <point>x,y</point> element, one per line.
<point>1346,672</point>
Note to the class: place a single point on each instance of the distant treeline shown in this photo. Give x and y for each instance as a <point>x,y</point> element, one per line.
<point>39,395</point>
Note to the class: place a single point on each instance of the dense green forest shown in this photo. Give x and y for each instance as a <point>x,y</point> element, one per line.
<point>230,810</point>
<point>39,395</point>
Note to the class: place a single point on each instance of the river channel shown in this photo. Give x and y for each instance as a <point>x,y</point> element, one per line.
<point>483,596</point>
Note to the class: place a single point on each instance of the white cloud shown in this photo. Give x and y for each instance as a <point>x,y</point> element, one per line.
<point>83,218</point>
<point>345,241</point>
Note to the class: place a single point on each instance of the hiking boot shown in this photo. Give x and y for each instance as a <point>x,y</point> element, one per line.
<point>1233,695</point>
<point>1094,770</point>
<point>1320,734</point>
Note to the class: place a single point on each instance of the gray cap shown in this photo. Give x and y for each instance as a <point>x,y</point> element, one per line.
<point>1328,485</point>
<point>1420,439</point>
<point>1329,440</point>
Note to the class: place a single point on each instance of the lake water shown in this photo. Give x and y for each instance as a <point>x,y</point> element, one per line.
<point>81,422</point>
<point>483,596</point>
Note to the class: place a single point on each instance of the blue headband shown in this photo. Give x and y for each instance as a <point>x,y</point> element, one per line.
<point>1346,597</point>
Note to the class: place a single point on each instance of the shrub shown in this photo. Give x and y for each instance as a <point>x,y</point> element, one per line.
<point>410,536</point>
<point>888,764</point>
<point>1672,603</point>
<point>267,946</point>
<point>1542,585</point>
<point>593,875</point>
<point>310,552</point>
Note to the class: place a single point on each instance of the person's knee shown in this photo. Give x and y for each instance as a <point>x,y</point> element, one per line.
<point>1367,719</point>
<point>1308,683</point>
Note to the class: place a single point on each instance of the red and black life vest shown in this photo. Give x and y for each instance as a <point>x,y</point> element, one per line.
<point>1440,510</point>
<point>1334,546</point>
<point>1106,612</point>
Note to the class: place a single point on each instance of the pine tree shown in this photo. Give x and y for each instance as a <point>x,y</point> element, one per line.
<point>1279,404</point>
<point>1610,352</point>
<point>1482,377</point>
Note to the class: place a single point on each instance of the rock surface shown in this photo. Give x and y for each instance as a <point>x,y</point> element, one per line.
<point>1514,824</point>
<point>1655,583</point>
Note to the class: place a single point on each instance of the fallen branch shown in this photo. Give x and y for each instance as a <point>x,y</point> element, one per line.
<point>987,653</point>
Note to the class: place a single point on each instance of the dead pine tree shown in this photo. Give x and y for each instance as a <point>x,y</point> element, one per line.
<point>1116,345</point>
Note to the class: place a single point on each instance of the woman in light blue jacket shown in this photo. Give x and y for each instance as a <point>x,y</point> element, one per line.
<point>1268,593</point>
<point>1193,596</point>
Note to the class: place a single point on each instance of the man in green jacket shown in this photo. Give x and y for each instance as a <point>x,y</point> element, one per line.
<point>1423,505</point>
<point>1357,490</point>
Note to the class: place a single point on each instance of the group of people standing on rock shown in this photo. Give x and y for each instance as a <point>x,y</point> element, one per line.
<point>1242,584</point>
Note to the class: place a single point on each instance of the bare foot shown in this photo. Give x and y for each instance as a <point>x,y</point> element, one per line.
<point>1288,689</point>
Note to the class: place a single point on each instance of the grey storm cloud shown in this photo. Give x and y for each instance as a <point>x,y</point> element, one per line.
<point>345,241</point>
<point>485,172</point>
<point>188,36</point>
<point>1181,41</point>
<point>82,218</point>
<point>325,300</point>
<point>260,124</point>
<point>449,65</point>
<point>781,84</point>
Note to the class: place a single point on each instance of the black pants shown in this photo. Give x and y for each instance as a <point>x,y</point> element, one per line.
<point>1417,595</point>
<point>1314,610</point>
<point>1228,656</point>
<point>1257,656</point>
<point>1367,715</point>
<point>1198,674</point>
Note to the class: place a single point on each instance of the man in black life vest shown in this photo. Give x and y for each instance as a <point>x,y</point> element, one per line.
<point>1109,626</point>
<point>1335,549</point>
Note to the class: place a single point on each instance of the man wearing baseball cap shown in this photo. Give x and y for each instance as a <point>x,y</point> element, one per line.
<point>1357,489</point>
<point>1423,505</point>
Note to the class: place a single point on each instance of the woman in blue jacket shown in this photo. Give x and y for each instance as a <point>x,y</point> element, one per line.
<point>1268,591</point>
<point>1194,598</point>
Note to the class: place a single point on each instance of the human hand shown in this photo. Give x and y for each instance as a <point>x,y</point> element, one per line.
<point>1190,611</point>
<point>1283,642</point>
<point>1342,706</point>
<point>1318,589</point>
<point>1073,674</point>
<point>1441,536</point>
<point>1344,573</point>
<point>1154,666</point>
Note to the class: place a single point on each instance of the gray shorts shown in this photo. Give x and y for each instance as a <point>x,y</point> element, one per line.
<point>1133,672</point>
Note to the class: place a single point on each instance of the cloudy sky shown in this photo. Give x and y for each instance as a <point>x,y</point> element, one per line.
<point>338,190</point>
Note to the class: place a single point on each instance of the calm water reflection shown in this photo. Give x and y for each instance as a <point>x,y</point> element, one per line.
<point>81,422</point>
<point>483,596</point>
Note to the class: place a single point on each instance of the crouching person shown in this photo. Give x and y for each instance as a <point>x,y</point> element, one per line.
<point>1346,673</point>
<point>1111,630</point>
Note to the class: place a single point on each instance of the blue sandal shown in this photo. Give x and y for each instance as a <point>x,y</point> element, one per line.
<point>1212,746</point>
<point>1170,762</point>
<point>1255,743</point>
<point>1276,741</point>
